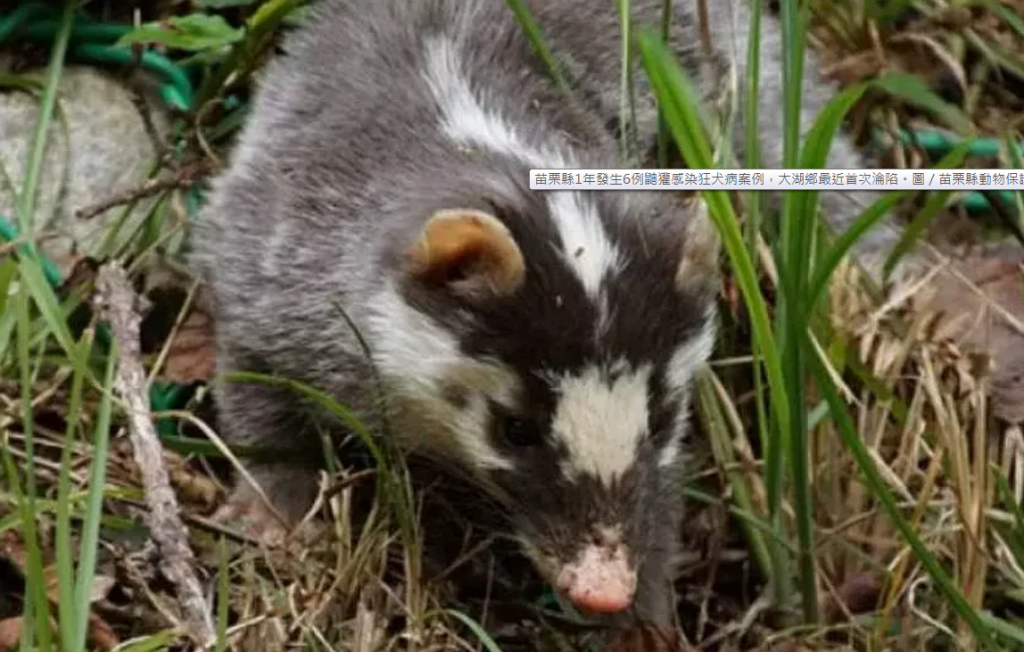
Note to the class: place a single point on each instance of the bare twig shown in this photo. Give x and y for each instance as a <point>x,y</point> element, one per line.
<point>164,151</point>
<point>186,176</point>
<point>116,302</point>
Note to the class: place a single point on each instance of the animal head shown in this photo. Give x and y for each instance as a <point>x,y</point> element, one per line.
<point>547,346</point>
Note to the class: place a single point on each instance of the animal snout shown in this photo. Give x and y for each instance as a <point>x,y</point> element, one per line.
<point>600,579</point>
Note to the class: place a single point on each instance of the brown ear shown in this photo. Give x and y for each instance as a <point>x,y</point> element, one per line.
<point>468,250</point>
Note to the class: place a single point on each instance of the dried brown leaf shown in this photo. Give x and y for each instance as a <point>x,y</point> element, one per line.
<point>101,634</point>
<point>190,355</point>
<point>193,488</point>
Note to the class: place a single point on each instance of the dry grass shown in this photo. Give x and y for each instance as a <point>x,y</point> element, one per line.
<point>922,405</point>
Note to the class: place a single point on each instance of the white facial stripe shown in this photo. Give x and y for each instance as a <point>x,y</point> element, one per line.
<point>412,349</point>
<point>690,356</point>
<point>601,423</point>
<point>681,368</point>
<point>684,363</point>
<point>466,120</point>
<point>470,425</point>
<point>588,250</point>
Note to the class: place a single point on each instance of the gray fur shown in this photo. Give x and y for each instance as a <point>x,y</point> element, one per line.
<point>333,176</point>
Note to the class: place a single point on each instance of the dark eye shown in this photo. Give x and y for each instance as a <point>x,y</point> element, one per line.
<point>520,432</point>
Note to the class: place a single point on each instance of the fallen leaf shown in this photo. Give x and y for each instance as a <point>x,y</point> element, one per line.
<point>193,488</point>
<point>190,344</point>
<point>101,585</point>
<point>191,353</point>
<point>99,633</point>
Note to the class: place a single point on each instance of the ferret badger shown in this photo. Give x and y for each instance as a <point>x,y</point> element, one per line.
<point>543,342</point>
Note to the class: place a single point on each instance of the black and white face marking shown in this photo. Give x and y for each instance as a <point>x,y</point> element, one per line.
<point>569,402</point>
<point>568,397</point>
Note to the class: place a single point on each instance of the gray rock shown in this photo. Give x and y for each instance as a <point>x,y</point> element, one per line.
<point>98,145</point>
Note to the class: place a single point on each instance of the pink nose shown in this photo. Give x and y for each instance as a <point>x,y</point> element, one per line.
<point>599,580</point>
<point>607,600</point>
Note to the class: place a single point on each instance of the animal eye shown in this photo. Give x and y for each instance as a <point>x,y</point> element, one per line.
<point>520,432</point>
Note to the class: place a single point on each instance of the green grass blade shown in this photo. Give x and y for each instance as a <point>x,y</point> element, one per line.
<point>804,202</point>
<point>1013,152</point>
<point>720,437</point>
<point>793,22</point>
<point>791,314</point>
<point>680,103</point>
<point>823,132</point>
<point>801,206</point>
<point>851,439</point>
<point>663,135</point>
<point>27,197</point>
<point>752,128</point>
<point>876,212</point>
<point>630,149</point>
<point>536,37</point>
<point>68,612</point>
<point>679,100</point>
<point>36,601</point>
<point>260,29</point>
<point>347,416</point>
<point>935,203</point>
<point>94,506</point>
<point>1006,496</point>
<point>911,89</point>
<point>160,641</point>
<point>32,273</point>
<point>752,222</point>
<point>392,486</point>
<point>845,242</point>
<point>485,638</point>
<point>1005,629</point>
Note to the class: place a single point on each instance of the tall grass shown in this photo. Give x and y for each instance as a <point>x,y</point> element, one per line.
<point>39,319</point>
<point>790,364</point>
<point>785,349</point>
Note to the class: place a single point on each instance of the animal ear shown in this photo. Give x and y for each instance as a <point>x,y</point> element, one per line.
<point>698,269</point>
<point>468,251</point>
